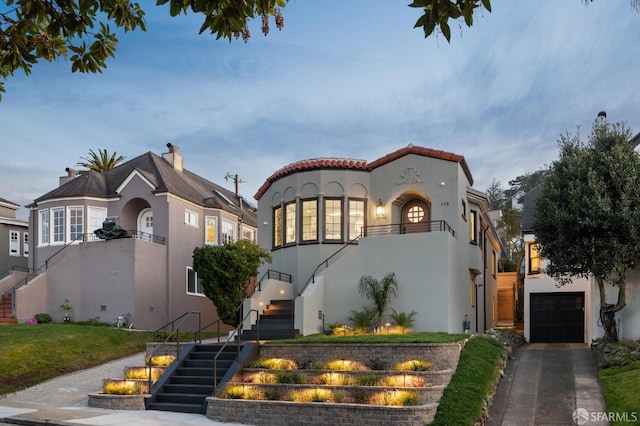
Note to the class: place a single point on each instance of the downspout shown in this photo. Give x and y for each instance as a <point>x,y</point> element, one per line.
<point>484,278</point>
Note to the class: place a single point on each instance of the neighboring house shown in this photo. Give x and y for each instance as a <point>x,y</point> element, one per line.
<point>517,200</point>
<point>166,211</point>
<point>328,222</point>
<point>568,313</point>
<point>14,238</point>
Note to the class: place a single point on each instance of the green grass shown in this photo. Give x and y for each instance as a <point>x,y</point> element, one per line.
<point>463,400</point>
<point>31,354</point>
<point>621,389</point>
<point>378,338</point>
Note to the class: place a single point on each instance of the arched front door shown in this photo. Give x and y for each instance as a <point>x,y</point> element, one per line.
<point>416,215</point>
<point>145,224</point>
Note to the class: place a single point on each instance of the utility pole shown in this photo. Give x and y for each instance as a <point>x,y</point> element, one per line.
<point>235,180</point>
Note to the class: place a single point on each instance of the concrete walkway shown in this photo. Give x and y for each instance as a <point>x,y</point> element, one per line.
<point>549,384</point>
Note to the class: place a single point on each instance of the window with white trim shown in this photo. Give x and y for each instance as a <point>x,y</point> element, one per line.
<point>58,225</point>
<point>248,233</point>
<point>43,227</point>
<point>76,223</point>
<point>194,284</point>
<point>14,243</point>
<point>190,218</point>
<point>96,217</point>
<point>211,230</point>
<point>228,231</point>
<point>25,244</point>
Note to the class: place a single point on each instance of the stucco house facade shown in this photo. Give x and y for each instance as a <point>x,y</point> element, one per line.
<point>569,313</point>
<point>327,222</point>
<point>14,237</point>
<point>164,212</point>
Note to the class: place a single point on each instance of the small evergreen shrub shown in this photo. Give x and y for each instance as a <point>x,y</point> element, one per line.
<point>43,318</point>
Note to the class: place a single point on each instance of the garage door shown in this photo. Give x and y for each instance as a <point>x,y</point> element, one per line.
<point>557,317</point>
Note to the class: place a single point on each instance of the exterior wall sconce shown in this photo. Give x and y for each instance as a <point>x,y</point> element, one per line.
<point>380,208</point>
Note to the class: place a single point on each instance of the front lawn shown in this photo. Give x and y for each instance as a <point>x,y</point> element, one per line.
<point>378,338</point>
<point>621,389</point>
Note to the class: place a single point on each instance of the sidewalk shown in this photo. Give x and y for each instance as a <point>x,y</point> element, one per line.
<point>547,384</point>
<point>64,401</point>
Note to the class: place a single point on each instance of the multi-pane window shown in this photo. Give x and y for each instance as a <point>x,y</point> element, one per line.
<point>58,225</point>
<point>43,227</point>
<point>277,227</point>
<point>290,223</point>
<point>76,223</point>
<point>211,230</point>
<point>25,244</point>
<point>95,219</point>
<point>309,220</point>
<point>333,219</point>
<point>248,233</point>
<point>191,218</point>
<point>534,259</point>
<point>356,218</point>
<point>228,231</point>
<point>14,243</point>
<point>473,232</point>
<point>194,284</point>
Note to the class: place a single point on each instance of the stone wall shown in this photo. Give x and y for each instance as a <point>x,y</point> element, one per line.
<point>117,402</point>
<point>284,413</point>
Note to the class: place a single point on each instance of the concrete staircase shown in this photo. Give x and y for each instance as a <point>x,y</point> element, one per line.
<point>275,323</point>
<point>185,386</point>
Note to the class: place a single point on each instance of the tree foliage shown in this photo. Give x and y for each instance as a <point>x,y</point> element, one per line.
<point>587,217</point>
<point>100,162</point>
<point>496,196</point>
<point>225,271</point>
<point>438,12</point>
<point>379,292</point>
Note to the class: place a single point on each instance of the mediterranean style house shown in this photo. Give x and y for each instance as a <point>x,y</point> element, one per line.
<point>568,313</point>
<point>327,222</point>
<point>150,213</point>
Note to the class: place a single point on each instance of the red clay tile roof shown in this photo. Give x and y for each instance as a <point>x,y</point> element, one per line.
<point>352,164</point>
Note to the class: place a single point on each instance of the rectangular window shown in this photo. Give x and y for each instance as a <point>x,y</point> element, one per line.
<point>290,223</point>
<point>494,263</point>
<point>248,234</point>
<point>310,220</point>
<point>97,215</point>
<point>211,230</point>
<point>333,219</point>
<point>228,232</point>
<point>14,243</point>
<point>43,227</point>
<point>191,218</point>
<point>277,227</point>
<point>473,232</point>
<point>194,284</point>
<point>76,223</point>
<point>25,244</point>
<point>58,225</point>
<point>356,218</point>
<point>534,259</point>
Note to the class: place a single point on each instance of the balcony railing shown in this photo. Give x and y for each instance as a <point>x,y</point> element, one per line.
<point>407,228</point>
<point>129,234</point>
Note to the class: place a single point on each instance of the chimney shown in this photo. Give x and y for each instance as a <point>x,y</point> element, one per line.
<point>71,174</point>
<point>602,118</point>
<point>173,158</point>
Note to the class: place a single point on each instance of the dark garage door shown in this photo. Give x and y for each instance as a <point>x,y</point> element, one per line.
<point>557,317</point>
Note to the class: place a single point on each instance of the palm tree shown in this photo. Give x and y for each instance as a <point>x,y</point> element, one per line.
<point>379,292</point>
<point>101,162</point>
<point>403,320</point>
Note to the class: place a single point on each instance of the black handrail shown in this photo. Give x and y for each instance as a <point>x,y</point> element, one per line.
<point>219,320</point>
<point>237,334</point>
<point>325,262</point>
<point>405,228</point>
<point>182,318</point>
<point>273,274</point>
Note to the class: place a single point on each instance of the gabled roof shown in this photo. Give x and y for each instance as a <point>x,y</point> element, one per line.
<point>7,203</point>
<point>529,204</point>
<point>353,164</point>
<point>162,176</point>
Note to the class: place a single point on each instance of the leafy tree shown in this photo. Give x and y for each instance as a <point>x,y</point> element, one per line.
<point>225,273</point>
<point>379,292</point>
<point>101,162</point>
<point>524,183</point>
<point>587,217</point>
<point>438,12</point>
<point>495,192</point>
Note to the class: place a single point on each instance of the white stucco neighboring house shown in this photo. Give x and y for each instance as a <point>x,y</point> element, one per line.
<point>414,212</point>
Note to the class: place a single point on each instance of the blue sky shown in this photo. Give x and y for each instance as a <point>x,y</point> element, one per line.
<point>343,79</point>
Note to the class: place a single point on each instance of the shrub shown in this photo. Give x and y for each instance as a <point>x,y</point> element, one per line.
<point>291,377</point>
<point>367,379</point>
<point>123,388</point>
<point>403,320</point>
<point>362,320</point>
<point>43,318</point>
<point>414,365</point>
<point>274,364</point>
<point>160,360</point>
